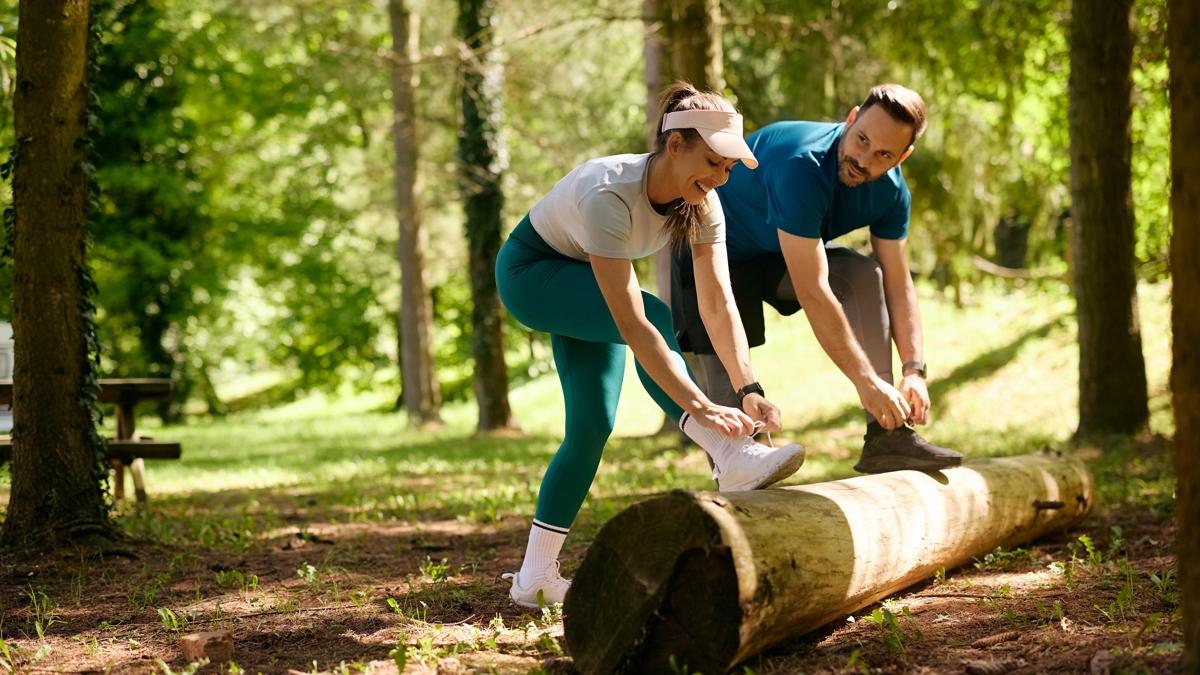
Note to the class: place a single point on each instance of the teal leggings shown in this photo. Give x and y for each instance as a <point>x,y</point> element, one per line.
<point>550,292</point>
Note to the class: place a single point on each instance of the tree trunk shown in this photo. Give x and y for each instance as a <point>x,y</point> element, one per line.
<point>690,32</point>
<point>57,461</point>
<point>481,163</point>
<point>714,578</point>
<point>1184,58</point>
<point>421,395</point>
<point>694,40</point>
<point>1112,374</point>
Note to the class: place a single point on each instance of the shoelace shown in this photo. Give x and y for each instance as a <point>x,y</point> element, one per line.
<point>547,577</point>
<point>758,425</point>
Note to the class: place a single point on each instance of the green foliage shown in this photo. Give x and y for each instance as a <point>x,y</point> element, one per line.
<point>44,611</point>
<point>1001,560</point>
<point>435,571</point>
<point>246,222</point>
<point>890,618</point>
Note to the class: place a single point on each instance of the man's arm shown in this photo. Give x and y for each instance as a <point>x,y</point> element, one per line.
<point>809,271</point>
<point>718,311</point>
<point>901,296</point>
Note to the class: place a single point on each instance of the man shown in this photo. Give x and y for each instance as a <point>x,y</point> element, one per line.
<point>817,182</point>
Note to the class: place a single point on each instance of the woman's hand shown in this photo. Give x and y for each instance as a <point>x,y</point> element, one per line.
<point>762,410</point>
<point>729,421</point>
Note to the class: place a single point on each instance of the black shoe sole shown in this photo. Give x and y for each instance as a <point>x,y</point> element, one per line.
<point>890,463</point>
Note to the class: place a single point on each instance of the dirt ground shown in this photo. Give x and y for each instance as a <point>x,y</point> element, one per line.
<point>343,598</point>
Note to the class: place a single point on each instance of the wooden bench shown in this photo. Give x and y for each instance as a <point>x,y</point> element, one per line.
<point>124,450</point>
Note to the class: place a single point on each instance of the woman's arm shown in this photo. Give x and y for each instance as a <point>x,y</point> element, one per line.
<point>718,311</point>
<point>619,286</point>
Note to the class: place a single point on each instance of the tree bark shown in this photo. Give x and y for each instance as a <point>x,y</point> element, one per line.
<point>421,395</point>
<point>714,578</point>
<point>57,465</point>
<point>688,33</point>
<point>481,164</point>
<point>694,40</point>
<point>1112,373</point>
<point>1184,59</point>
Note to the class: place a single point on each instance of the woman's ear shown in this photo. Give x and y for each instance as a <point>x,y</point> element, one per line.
<point>674,144</point>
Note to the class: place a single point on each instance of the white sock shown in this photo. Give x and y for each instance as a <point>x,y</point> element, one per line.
<point>715,443</point>
<point>545,542</point>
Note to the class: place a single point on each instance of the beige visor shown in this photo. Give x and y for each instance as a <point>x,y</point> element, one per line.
<point>721,130</point>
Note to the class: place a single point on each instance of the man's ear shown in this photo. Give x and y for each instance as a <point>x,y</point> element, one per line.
<point>853,115</point>
<point>904,156</point>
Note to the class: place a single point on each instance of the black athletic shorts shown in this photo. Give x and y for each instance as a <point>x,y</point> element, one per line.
<point>755,281</point>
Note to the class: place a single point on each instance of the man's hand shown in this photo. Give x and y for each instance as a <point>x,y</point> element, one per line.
<point>762,410</point>
<point>885,403</point>
<point>917,394</point>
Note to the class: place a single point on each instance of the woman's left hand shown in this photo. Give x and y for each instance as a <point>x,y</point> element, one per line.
<point>762,410</point>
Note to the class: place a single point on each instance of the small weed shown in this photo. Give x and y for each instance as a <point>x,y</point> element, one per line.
<point>1165,585</point>
<point>1000,560</point>
<point>91,646</point>
<point>1148,626</point>
<point>43,612</point>
<point>1052,614</point>
<point>172,621</point>
<point>895,636</point>
<point>1094,557</point>
<point>8,660</point>
<point>676,668</point>
<point>308,573</point>
<point>189,669</point>
<point>1003,592</point>
<point>435,571</point>
<point>856,663</point>
<point>939,577</point>
<point>546,642</point>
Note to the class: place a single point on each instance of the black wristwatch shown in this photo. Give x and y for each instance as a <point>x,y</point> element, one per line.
<point>752,388</point>
<point>916,366</point>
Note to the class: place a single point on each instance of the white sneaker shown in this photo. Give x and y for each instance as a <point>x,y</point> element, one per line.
<point>550,585</point>
<point>753,465</point>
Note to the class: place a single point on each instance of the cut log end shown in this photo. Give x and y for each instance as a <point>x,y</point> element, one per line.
<point>675,598</point>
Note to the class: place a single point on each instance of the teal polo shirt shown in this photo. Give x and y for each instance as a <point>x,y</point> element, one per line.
<point>795,189</point>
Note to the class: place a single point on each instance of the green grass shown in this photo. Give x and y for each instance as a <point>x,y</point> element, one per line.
<point>1002,376</point>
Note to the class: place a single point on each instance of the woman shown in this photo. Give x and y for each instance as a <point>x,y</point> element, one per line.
<point>567,270</point>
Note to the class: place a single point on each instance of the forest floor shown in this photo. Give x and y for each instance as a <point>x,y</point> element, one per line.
<point>326,536</point>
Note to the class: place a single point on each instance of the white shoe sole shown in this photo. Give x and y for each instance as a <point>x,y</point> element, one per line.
<point>786,467</point>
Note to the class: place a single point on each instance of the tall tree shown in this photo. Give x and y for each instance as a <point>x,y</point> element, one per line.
<point>481,164</point>
<point>1112,373</point>
<point>1184,59</point>
<point>57,463</point>
<point>694,41</point>
<point>421,395</point>
<point>688,33</point>
<point>682,42</point>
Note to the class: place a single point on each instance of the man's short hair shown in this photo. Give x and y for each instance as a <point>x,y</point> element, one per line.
<point>903,104</point>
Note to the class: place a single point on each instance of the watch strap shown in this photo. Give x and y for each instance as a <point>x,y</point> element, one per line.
<point>752,388</point>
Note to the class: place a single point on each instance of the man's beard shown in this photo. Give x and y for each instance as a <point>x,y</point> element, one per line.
<point>852,178</point>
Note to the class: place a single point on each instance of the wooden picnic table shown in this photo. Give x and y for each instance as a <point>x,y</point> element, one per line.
<point>125,394</point>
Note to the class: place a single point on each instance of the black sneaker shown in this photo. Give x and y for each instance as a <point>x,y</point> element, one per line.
<point>902,449</point>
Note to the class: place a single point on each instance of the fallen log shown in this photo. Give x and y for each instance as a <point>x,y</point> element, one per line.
<point>710,579</point>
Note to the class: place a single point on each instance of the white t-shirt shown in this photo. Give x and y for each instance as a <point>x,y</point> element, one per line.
<point>601,208</point>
